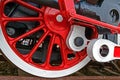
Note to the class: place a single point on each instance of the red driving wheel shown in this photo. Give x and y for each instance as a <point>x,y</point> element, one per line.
<point>50,35</point>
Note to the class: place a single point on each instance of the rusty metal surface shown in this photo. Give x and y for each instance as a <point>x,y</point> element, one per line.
<point>64,78</point>
<point>92,1</point>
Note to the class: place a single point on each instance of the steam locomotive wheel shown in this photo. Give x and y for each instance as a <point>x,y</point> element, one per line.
<point>48,42</point>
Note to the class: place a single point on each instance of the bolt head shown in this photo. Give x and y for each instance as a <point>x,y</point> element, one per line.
<point>78,41</point>
<point>59,18</point>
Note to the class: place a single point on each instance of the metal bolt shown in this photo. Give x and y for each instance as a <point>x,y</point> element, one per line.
<point>59,18</point>
<point>10,31</point>
<point>78,41</point>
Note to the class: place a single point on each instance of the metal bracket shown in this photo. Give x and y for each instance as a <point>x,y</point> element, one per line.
<point>76,39</point>
<point>103,50</point>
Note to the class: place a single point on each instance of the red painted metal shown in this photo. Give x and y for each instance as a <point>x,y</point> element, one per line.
<point>67,6</point>
<point>58,31</point>
<point>117,52</point>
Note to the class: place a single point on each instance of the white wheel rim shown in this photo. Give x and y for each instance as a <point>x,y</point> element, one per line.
<point>8,52</point>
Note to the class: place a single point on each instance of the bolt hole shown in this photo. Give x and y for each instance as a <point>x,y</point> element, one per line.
<point>104,50</point>
<point>114,15</point>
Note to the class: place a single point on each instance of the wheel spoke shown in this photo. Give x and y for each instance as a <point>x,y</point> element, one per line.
<point>23,19</point>
<point>1,8</point>
<point>64,57</point>
<point>49,51</point>
<point>29,6</point>
<point>28,33</point>
<point>37,45</point>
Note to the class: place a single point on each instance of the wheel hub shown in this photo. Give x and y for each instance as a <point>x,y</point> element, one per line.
<point>55,21</point>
